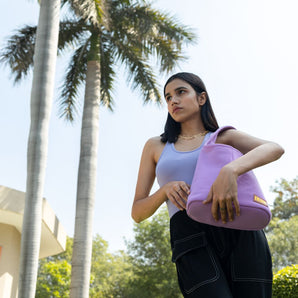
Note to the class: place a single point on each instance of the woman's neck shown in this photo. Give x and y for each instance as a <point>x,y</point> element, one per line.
<point>192,128</point>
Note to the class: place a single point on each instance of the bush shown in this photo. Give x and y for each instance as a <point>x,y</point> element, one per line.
<point>285,282</point>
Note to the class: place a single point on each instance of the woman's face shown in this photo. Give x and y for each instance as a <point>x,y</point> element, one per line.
<point>183,101</point>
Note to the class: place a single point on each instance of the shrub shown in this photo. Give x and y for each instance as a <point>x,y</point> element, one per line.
<point>285,282</point>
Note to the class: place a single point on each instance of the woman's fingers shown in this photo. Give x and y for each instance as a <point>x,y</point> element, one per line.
<point>226,208</point>
<point>222,211</point>
<point>230,209</point>
<point>178,194</point>
<point>209,197</point>
<point>214,209</point>
<point>177,200</point>
<point>237,206</point>
<point>186,189</point>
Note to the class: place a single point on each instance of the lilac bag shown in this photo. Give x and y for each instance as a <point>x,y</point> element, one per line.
<point>254,211</point>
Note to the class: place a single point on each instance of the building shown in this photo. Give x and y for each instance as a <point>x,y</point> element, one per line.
<point>53,237</point>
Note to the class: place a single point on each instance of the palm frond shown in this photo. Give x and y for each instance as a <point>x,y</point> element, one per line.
<point>75,76</point>
<point>167,53</point>
<point>147,20</point>
<point>166,37</point>
<point>71,33</point>
<point>19,51</point>
<point>94,12</point>
<point>167,26</point>
<point>139,74</point>
<point>159,33</point>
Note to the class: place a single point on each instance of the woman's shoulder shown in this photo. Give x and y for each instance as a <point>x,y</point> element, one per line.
<point>227,136</point>
<point>154,147</point>
<point>239,140</point>
<point>154,143</point>
<point>231,136</point>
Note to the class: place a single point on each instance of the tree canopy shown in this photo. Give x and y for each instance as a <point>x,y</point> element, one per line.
<point>286,202</point>
<point>144,270</point>
<point>282,230</point>
<point>150,253</point>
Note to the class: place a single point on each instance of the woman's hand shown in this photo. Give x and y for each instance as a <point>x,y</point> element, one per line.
<point>177,192</point>
<point>223,195</point>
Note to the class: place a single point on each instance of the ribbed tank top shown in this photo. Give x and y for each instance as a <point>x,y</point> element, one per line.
<point>174,165</point>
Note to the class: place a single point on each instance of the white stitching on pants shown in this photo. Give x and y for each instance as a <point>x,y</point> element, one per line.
<point>195,287</point>
<point>248,278</point>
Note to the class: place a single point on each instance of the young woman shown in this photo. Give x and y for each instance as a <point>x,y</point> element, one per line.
<point>211,262</point>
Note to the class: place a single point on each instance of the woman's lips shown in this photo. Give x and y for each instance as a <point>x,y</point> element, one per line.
<point>176,109</point>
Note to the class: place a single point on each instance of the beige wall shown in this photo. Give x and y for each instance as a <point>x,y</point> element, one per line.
<point>53,237</point>
<point>10,242</point>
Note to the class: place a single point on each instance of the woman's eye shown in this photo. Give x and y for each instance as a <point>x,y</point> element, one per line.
<point>168,98</point>
<point>181,91</point>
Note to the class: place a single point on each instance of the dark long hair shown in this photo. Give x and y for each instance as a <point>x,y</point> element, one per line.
<point>172,128</point>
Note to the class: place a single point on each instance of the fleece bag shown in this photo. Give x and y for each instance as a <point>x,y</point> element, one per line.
<point>254,211</point>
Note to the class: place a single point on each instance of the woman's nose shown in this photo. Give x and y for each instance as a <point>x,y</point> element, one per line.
<point>175,100</point>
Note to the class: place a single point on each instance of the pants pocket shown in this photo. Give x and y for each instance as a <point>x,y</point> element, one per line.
<point>251,259</point>
<point>195,262</point>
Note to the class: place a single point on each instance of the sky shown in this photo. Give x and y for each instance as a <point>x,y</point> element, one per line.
<point>247,55</point>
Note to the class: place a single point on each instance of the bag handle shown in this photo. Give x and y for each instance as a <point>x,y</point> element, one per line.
<point>214,135</point>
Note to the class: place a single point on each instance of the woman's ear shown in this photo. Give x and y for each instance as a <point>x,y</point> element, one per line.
<point>202,98</point>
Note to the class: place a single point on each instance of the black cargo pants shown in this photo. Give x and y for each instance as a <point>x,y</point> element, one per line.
<point>214,262</point>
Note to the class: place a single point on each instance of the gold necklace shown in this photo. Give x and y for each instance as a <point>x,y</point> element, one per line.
<point>193,136</point>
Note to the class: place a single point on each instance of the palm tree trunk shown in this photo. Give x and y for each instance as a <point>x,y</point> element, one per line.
<point>82,247</point>
<point>41,102</point>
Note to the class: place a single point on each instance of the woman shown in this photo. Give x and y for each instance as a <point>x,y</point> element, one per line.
<point>211,261</point>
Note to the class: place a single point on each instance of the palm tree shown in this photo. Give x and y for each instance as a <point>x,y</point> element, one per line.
<point>45,53</point>
<point>103,35</point>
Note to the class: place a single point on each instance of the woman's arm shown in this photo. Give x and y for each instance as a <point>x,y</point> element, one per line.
<point>145,205</point>
<point>256,153</point>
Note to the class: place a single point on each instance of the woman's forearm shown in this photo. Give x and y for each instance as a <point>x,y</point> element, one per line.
<point>144,208</point>
<point>259,156</point>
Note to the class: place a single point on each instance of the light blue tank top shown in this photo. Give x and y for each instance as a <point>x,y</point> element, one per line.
<point>174,165</point>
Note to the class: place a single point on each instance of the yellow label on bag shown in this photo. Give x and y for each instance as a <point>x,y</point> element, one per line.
<point>259,200</point>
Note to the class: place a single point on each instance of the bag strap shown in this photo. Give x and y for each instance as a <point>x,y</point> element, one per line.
<point>214,135</point>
